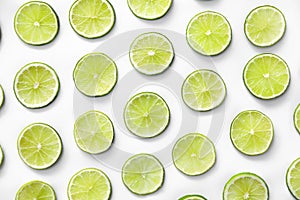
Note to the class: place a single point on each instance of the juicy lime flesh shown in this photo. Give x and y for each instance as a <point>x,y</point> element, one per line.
<point>209,33</point>
<point>266,76</point>
<point>149,9</point>
<point>293,178</point>
<point>265,26</point>
<point>95,74</point>
<point>252,132</point>
<point>203,90</point>
<point>297,118</point>
<point>36,190</point>
<point>39,146</point>
<point>151,53</point>
<point>36,23</point>
<point>93,132</point>
<point>192,197</point>
<point>143,174</point>
<point>146,115</point>
<point>89,184</point>
<point>92,18</point>
<point>194,154</point>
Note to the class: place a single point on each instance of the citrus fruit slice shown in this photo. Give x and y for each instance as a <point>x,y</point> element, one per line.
<point>192,197</point>
<point>297,118</point>
<point>293,178</point>
<point>2,97</point>
<point>36,190</point>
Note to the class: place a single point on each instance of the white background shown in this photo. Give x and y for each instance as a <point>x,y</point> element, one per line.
<point>67,48</point>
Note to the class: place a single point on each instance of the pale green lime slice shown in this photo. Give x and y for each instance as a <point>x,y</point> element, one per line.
<point>251,132</point>
<point>89,184</point>
<point>35,190</point>
<point>146,115</point>
<point>266,76</point>
<point>149,9</point>
<point>92,18</point>
<point>203,90</point>
<point>209,33</point>
<point>151,53</point>
<point>36,23</point>
<point>95,74</point>
<point>93,132</point>
<point>194,154</point>
<point>2,97</point>
<point>293,178</point>
<point>192,197</point>
<point>36,85</point>
<point>244,186</point>
<point>297,118</point>
<point>1,156</point>
<point>143,174</point>
<point>39,146</point>
<point>265,26</point>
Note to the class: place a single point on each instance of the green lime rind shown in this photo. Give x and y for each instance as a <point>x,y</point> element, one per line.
<point>158,169</point>
<point>290,186</point>
<point>275,41</point>
<point>297,118</point>
<point>41,42</point>
<point>192,197</point>
<point>2,96</point>
<point>250,176</point>
<point>29,191</point>
<point>141,16</point>
<point>1,156</point>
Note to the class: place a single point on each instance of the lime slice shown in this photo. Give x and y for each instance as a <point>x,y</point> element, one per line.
<point>293,178</point>
<point>36,85</point>
<point>146,115</point>
<point>265,26</point>
<point>266,76</point>
<point>2,97</point>
<point>36,23</point>
<point>251,132</point>
<point>194,154</point>
<point>297,118</point>
<point>203,90</point>
<point>149,9</point>
<point>246,186</point>
<point>36,190</point>
<point>95,74</point>
<point>92,18</point>
<point>1,156</point>
<point>151,53</point>
<point>192,197</point>
<point>143,174</point>
<point>209,33</point>
<point>93,132</point>
<point>39,146</point>
<point>89,184</point>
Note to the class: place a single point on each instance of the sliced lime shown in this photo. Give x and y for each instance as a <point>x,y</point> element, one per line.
<point>246,186</point>
<point>297,118</point>
<point>146,115</point>
<point>2,97</point>
<point>89,184</point>
<point>92,18</point>
<point>36,23</point>
<point>95,74</point>
<point>151,53</point>
<point>36,85</point>
<point>265,26</point>
<point>36,190</point>
<point>209,33</point>
<point>93,132</point>
<point>192,197</point>
<point>194,154</point>
<point>251,132</point>
<point>39,146</point>
<point>293,178</point>
<point>149,9</point>
<point>267,76</point>
<point>1,156</point>
<point>203,90</point>
<point>143,174</point>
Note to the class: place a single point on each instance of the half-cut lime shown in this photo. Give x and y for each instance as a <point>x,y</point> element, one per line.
<point>297,118</point>
<point>36,190</point>
<point>192,197</point>
<point>2,97</point>
<point>293,178</point>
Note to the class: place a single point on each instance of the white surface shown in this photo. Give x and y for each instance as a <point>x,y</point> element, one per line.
<point>63,54</point>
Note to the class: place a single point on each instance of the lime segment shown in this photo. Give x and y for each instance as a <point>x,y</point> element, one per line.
<point>297,118</point>
<point>192,197</point>
<point>2,97</point>
<point>194,154</point>
<point>293,178</point>
<point>143,174</point>
<point>36,190</point>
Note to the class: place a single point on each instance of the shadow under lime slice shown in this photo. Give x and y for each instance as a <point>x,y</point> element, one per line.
<point>93,132</point>
<point>293,178</point>
<point>2,97</point>
<point>39,146</point>
<point>36,23</point>
<point>95,74</point>
<point>36,190</point>
<point>143,174</point>
<point>194,154</point>
<point>92,18</point>
<point>36,85</point>
<point>89,184</point>
<point>297,118</point>
<point>192,197</point>
<point>266,76</point>
<point>246,186</point>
